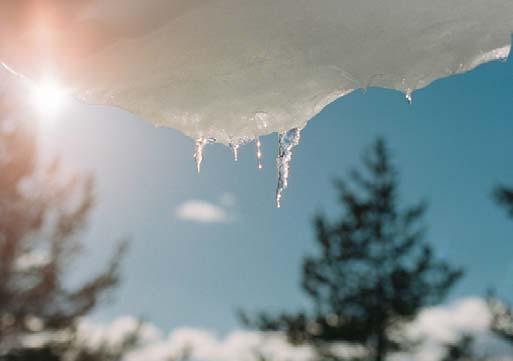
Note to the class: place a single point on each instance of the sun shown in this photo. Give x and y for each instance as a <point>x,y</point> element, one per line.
<point>49,97</point>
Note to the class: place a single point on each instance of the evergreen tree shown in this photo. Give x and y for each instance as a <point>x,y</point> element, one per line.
<point>372,272</point>
<point>504,197</point>
<point>41,215</point>
<point>462,350</point>
<point>502,314</point>
<point>502,319</point>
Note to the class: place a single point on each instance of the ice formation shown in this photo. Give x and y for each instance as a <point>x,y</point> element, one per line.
<point>409,97</point>
<point>287,142</point>
<point>234,70</point>
<point>258,145</point>
<point>235,150</point>
<point>199,148</point>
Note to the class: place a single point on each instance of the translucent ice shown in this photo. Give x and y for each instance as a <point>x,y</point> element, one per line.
<point>235,151</point>
<point>287,141</point>
<point>258,145</point>
<point>409,97</point>
<point>199,148</point>
<point>238,69</point>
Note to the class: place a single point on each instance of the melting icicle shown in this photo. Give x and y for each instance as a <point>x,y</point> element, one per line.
<point>235,150</point>
<point>287,142</point>
<point>198,151</point>
<point>409,97</point>
<point>258,152</point>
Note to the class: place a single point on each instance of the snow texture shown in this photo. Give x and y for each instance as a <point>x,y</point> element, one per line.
<point>237,69</point>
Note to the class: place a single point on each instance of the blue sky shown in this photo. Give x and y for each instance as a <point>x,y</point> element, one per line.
<point>452,146</point>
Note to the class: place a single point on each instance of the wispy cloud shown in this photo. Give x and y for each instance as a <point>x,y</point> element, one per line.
<point>202,212</point>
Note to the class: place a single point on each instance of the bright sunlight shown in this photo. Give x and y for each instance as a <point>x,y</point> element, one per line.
<point>49,97</point>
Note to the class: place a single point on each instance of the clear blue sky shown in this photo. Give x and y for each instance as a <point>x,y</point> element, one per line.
<point>452,146</point>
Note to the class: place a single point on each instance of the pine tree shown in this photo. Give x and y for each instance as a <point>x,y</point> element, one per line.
<point>502,318</point>
<point>502,314</point>
<point>372,272</point>
<point>41,215</point>
<point>462,350</point>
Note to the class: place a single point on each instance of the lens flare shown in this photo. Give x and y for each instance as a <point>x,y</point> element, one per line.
<point>49,97</point>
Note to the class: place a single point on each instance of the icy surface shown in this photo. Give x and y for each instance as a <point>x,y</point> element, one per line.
<point>258,145</point>
<point>287,142</point>
<point>199,148</point>
<point>238,69</point>
<point>235,151</point>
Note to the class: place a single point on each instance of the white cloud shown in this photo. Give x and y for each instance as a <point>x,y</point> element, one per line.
<point>203,345</point>
<point>32,260</point>
<point>440,325</point>
<point>202,211</point>
<point>236,346</point>
<point>434,326</point>
<point>444,323</point>
<point>94,335</point>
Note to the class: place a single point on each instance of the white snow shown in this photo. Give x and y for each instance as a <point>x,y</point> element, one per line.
<point>236,69</point>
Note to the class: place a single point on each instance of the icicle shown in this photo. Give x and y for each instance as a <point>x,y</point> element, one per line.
<point>198,151</point>
<point>258,152</point>
<point>235,150</point>
<point>409,97</point>
<point>287,142</point>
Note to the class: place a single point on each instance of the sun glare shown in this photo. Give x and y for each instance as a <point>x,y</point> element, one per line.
<point>49,97</point>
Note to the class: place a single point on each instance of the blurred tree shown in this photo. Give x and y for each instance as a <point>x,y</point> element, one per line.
<point>41,215</point>
<point>504,197</point>
<point>502,318</point>
<point>502,314</point>
<point>373,271</point>
<point>462,350</point>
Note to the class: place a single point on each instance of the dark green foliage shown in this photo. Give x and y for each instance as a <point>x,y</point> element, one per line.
<point>502,314</point>
<point>502,319</point>
<point>504,197</point>
<point>462,350</point>
<point>29,354</point>
<point>373,271</point>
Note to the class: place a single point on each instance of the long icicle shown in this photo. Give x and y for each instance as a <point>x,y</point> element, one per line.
<point>198,152</point>
<point>287,142</point>
<point>258,152</point>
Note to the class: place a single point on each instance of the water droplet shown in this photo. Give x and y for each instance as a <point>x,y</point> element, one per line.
<point>409,97</point>
<point>258,152</point>
<point>287,142</point>
<point>198,151</point>
<point>235,150</point>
